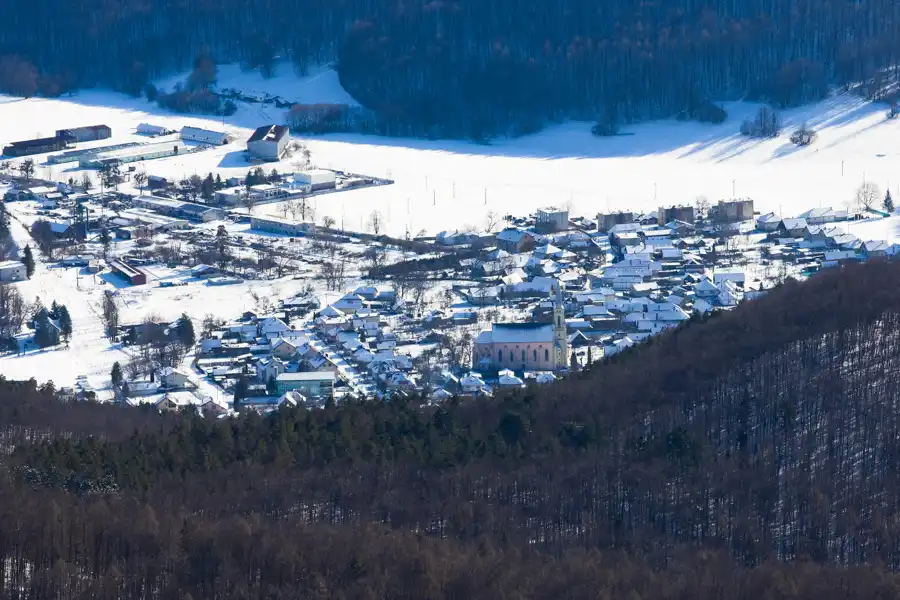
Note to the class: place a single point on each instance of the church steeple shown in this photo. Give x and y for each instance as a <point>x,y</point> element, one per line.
<point>560,336</point>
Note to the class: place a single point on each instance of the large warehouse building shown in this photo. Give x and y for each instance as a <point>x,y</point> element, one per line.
<point>89,133</point>
<point>38,146</point>
<point>269,142</point>
<point>179,209</point>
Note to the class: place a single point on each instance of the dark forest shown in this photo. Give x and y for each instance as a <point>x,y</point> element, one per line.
<point>752,454</point>
<point>471,69</point>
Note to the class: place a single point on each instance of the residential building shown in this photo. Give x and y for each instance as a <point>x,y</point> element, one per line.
<point>768,222</point>
<point>552,219</point>
<point>820,216</point>
<point>89,133</point>
<point>268,142</point>
<point>316,384</point>
<point>732,211</point>
<point>12,270</point>
<point>515,240</point>
<point>179,209</point>
<point>605,222</point>
<point>675,213</point>
<point>205,136</point>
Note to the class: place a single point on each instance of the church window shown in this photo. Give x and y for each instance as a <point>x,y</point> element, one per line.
<point>499,355</point>
<point>535,355</point>
<point>546,354</point>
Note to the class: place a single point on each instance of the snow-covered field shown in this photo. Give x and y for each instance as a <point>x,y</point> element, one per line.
<point>450,184</point>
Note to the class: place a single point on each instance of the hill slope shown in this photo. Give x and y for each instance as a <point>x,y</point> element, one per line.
<point>470,69</point>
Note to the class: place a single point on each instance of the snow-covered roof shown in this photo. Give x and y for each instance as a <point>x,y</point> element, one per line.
<point>521,333</point>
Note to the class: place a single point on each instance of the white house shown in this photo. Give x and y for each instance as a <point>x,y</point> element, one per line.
<point>12,270</point>
<point>273,327</point>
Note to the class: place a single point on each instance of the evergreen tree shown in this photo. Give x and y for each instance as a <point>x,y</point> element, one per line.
<point>28,261</point>
<point>185,331</point>
<point>219,183</point>
<point>115,375</point>
<point>272,387</point>
<point>888,202</point>
<point>43,329</point>
<point>54,310</point>
<point>240,389</point>
<point>65,322</point>
<point>208,188</point>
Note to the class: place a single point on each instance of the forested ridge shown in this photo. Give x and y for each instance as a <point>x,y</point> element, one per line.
<point>749,455</point>
<point>467,68</point>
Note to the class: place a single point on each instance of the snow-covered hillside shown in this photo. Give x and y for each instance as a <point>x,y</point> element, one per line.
<point>447,184</point>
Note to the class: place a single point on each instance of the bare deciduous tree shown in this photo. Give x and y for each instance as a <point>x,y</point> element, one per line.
<point>867,195</point>
<point>375,222</point>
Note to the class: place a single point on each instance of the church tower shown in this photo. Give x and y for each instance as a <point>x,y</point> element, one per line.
<point>560,336</point>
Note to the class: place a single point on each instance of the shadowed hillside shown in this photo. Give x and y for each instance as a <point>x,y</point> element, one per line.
<point>753,455</point>
<point>465,68</point>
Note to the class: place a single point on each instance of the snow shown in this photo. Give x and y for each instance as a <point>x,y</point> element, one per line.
<point>443,185</point>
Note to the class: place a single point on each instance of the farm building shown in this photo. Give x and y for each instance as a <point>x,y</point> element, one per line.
<point>135,154</point>
<point>12,270</point>
<point>149,129</point>
<point>77,155</point>
<point>284,226</point>
<point>268,142</point>
<point>316,179</point>
<point>38,146</point>
<point>134,275</point>
<point>89,133</point>
<point>205,136</point>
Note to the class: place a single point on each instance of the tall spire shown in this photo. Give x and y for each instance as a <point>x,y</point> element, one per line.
<point>560,335</point>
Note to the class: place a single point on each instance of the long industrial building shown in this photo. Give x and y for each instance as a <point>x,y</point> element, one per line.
<point>77,155</point>
<point>38,146</point>
<point>89,133</point>
<point>179,209</point>
<point>283,226</point>
<point>135,154</point>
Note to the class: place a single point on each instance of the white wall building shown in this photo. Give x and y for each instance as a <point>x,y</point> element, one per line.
<point>12,270</point>
<point>205,136</point>
<point>269,142</point>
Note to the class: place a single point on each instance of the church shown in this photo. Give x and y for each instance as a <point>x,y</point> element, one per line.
<point>525,346</point>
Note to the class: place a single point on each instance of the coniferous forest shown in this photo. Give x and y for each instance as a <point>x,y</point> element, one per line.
<point>471,69</point>
<point>752,454</point>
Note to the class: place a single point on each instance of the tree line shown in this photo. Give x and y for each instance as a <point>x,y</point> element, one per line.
<point>465,69</point>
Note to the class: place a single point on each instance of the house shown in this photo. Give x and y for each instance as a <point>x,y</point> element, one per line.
<point>768,222</point>
<point>472,384</point>
<point>12,270</point>
<point>268,142</point>
<point>515,240</point>
<point>875,248</point>
<point>269,368</point>
<point>212,408</point>
<point>174,378</point>
<point>455,237</point>
<point>736,275</point>
<point>283,349</point>
<point>204,136</point>
<point>508,379</point>
<point>551,219</point>
<point>791,227</point>
<point>706,289</point>
<point>317,384</point>
<point>820,216</point>
<point>272,328</point>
